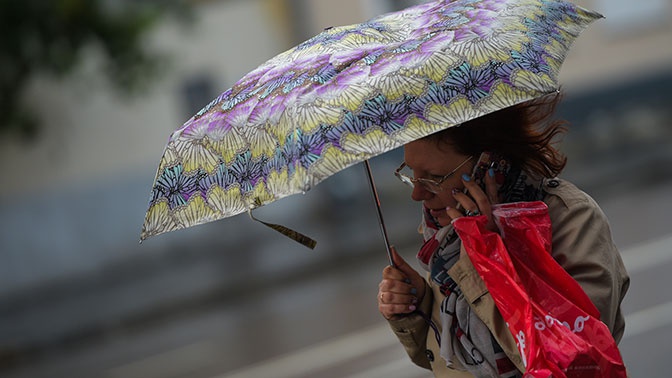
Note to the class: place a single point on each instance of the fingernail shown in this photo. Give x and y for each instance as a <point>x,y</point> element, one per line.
<point>455,191</point>
<point>466,177</point>
<point>491,172</point>
<point>414,291</point>
<point>412,307</point>
<point>408,281</point>
<point>414,300</point>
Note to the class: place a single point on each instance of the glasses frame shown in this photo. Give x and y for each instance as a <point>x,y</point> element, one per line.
<point>432,186</point>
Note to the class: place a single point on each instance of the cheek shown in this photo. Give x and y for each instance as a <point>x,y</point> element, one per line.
<point>446,199</point>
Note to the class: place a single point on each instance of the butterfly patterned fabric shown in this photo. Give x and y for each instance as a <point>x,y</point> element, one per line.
<point>354,92</point>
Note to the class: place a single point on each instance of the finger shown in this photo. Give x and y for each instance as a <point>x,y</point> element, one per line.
<point>477,194</point>
<point>390,298</point>
<point>411,281</point>
<point>413,278</point>
<point>465,202</point>
<point>473,189</point>
<point>392,311</point>
<point>392,273</point>
<point>482,201</point>
<point>396,258</point>
<point>394,280</point>
<point>397,287</point>
<point>391,304</point>
<point>402,265</point>
<point>396,298</point>
<point>491,187</point>
<point>455,213</point>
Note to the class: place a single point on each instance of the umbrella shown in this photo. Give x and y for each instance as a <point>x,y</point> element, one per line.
<point>353,92</point>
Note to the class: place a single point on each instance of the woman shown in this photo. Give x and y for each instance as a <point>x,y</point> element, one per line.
<point>424,313</point>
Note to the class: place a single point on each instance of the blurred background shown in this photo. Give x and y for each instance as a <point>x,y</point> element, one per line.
<point>91,90</point>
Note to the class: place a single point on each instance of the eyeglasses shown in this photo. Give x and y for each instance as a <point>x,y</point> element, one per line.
<point>433,186</point>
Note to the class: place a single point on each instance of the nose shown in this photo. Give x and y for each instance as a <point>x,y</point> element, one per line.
<point>419,193</point>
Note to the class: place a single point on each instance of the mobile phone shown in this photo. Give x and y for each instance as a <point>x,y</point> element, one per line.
<point>490,160</point>
<point>486,161</point>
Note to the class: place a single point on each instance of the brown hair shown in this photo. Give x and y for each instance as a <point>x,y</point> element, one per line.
<point>523,133</point>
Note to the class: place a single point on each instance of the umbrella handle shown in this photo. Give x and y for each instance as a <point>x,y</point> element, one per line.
<point>380,213</point>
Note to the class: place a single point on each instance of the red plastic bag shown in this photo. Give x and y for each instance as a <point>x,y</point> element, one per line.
<point>556,326</point>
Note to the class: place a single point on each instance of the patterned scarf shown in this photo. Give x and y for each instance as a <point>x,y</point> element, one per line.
<point>465,341</point>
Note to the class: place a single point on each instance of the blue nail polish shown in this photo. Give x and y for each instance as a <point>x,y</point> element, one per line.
<point>491,172</point>
<point>466,177</point>
<point>414,291</point>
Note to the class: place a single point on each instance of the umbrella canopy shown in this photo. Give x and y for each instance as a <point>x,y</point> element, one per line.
<point>354,92</point>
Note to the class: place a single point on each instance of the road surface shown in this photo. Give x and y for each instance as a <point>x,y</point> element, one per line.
<point>328,325</point>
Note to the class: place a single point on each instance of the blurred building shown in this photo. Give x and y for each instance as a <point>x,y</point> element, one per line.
<point>72,203</point>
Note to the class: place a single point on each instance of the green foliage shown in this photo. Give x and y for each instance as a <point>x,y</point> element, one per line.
<point>48,37</point>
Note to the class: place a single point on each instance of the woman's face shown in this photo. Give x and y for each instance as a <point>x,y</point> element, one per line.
<point>430,160</point>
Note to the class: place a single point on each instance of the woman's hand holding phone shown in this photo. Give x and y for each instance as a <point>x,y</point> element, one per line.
<point>480,189</point>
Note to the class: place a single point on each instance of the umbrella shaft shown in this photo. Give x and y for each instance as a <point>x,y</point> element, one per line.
<point>380,213</point>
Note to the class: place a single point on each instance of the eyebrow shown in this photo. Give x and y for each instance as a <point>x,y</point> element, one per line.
<point>427,172</point>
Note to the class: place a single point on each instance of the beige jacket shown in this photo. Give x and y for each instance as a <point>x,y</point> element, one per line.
<point>582,245</point>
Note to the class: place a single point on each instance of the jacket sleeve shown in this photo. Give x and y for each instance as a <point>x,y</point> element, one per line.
<point>583,246</point>
<point>412,330</point>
